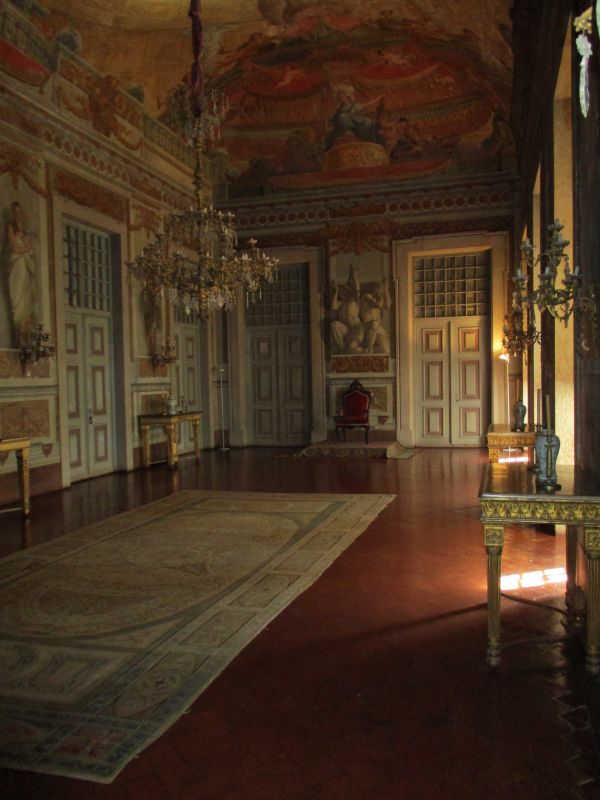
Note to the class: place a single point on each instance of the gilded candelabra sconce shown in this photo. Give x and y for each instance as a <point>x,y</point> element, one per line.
<point>561,301</point>
<point>38,348</point>
<point>516,338</point>
<point>165,356</point>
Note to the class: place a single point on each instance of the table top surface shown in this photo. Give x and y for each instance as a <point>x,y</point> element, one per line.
<point>502,427</point>
<point>164,417</point>
<point>15,444</point>
<point>518,482</point>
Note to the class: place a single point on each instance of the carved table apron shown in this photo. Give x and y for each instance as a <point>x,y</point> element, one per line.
<point>169,423</point>
<point>21,448</point>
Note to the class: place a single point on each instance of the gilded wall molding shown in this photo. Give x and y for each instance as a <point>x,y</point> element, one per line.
<point>89,194</point>
<point>29,418</point>
<point>147,219</point>
<point>21,166</point>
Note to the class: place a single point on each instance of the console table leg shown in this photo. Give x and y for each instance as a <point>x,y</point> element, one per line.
<point>592,554</point>
<point>574,596</point>
<point>145,446</point>
<point>196,430</point>
<point>494,541</point>
<point>171,432</point>
<point>23,470</point>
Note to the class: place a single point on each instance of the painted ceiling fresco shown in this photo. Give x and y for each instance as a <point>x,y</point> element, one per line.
<point>321,93</point>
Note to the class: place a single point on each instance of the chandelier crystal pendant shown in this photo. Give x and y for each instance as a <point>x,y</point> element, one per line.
<point>195,259</point>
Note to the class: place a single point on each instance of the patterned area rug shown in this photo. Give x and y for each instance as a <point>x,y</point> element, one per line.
<point>357,450</point>
<point>108,634</point>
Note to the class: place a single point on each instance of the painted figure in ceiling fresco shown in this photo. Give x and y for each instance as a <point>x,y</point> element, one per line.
<point>21,273</point>
<point>350,117</point>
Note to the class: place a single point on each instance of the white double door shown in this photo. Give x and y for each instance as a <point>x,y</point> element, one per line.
<point>187,378</point>
<point>451,381</point>
<point>90,399</point>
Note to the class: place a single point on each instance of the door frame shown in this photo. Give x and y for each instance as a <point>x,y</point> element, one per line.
<point>404,251</point>
<point>64,210</point>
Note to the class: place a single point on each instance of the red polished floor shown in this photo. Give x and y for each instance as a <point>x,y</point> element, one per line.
<point>372,684</point>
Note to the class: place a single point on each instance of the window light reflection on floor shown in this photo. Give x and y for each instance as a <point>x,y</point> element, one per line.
<point>517,459</point>
<point>527,580</point>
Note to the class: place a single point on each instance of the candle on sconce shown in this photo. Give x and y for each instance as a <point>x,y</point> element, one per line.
<point>518,398</point>
<point>539,408</point>
<point>548,426</point>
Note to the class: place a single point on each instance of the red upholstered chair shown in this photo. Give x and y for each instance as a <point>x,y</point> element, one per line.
<point>355,411</point>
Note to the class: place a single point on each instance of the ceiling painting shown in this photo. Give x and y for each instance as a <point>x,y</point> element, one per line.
<point>320,93</point>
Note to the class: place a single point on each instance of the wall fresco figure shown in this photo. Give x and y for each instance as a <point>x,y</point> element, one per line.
<point>373,304</point>
<point>347,329</point>
<point>21,272</point>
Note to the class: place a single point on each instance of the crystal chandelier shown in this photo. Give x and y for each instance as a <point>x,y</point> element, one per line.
<point>195,259</point>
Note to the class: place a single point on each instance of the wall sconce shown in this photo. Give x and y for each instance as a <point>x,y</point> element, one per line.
<point>561,303</point>
<point>166,355</point>
<point>38,348</point>
<point>516,339</point>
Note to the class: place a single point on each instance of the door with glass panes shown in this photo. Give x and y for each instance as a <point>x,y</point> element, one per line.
<point>451,299</point>
<point>88,278</point>
<point>279,360</point>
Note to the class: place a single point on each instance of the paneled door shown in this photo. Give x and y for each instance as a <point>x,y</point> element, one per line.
<point>89,395</point>
<point>88,351</point>
<point>280,381</point>
<point>279,360</point>
<point>187,373</point>
<point>451,382</point>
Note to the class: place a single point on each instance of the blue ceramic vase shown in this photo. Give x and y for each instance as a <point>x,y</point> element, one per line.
<point>546,462</point>
<point>519,411</point>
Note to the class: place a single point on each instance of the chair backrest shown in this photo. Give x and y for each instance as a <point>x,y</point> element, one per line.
<point>355,403</point>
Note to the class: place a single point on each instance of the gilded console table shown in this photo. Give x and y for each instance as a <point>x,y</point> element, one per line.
<point>500,438</point>
<point>508,496</point>
<point>21,449</point>
<point>169,423</point>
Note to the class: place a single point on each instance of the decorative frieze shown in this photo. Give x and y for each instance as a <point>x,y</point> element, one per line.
<point>359,364</point>
<point>463,199</point>
<point>22,166</point>
<point>30,418</point>
<point>89,194</point>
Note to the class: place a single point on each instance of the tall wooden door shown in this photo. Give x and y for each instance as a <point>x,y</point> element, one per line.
<point>451,301</point>
<point>87,272</point>
<point>451,382</point>
<point>187,372</point>
<point>279,360</point>
<point>89,395</point>
<point>280,380</point>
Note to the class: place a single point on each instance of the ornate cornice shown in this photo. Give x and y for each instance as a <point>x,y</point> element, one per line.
<point>483,196</point>
<point>55,139</point>
<point>87,193</point>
